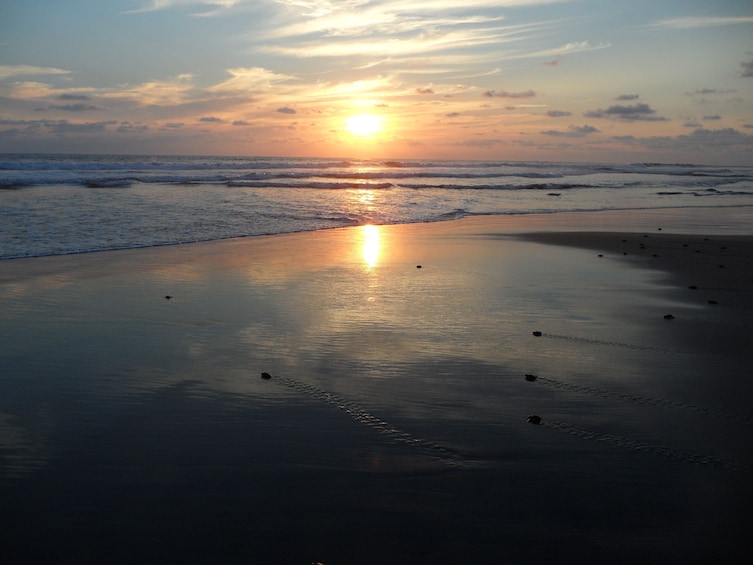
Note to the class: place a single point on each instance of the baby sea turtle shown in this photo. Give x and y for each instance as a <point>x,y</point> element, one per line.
<point>530,378</point>
<point>266,376</point>
<point>534,419</point>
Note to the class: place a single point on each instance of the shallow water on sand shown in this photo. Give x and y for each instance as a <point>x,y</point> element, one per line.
<point>393,430</point>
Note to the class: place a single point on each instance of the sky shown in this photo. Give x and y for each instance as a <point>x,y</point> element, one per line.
<point>547,80</point>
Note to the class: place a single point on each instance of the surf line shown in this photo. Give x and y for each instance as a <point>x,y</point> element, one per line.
<point>626,443</point>
<point>679,405</point>
<point>394,434</point>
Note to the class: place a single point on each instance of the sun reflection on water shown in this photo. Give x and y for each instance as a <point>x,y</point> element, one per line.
<point>371,245</point>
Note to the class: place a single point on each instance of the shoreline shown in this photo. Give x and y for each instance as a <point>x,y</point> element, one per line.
<point>559,220</point>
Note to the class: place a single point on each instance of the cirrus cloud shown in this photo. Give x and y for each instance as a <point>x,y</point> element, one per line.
<point>18,70</point>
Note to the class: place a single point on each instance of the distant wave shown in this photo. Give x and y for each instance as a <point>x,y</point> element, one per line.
<point>312,185</point>
<point>20,170</point>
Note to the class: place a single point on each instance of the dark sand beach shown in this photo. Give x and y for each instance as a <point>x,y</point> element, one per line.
<point>137,428</point>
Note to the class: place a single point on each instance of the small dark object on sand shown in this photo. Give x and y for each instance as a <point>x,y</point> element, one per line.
<point>600,255</point>
<point>713,302</point>
<point>537,334</point>
<point>693,287</point>
<point>554,194</point>
<point>534,419</point>
<point>418,266</point>
<point>669,317</point>
<point>654,255</point>
<point>266,376</point>
<point>168,297</point>
<point>530,378</point>
<point>721,266</point>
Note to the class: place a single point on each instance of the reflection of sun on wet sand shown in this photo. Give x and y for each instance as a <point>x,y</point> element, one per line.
<point>392,399</point>
<point>371,245</point>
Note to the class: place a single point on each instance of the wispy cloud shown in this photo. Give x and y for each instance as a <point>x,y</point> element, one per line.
<point>567,49</point>
<point>700,21</point>
<point>27,90</point>
<point>375,21</point>
<point>156,93</point>
<point>214,5</point>
<point>249,79</point>
<point>431,40</point>
<point>7,71</point>
<point>391,29</point>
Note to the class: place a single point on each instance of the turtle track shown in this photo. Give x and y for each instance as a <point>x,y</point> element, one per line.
<point>613,344</point>
<point>646,401</point>
<point>633,347</point>
<point>626,443</point>
<point>394,435</point>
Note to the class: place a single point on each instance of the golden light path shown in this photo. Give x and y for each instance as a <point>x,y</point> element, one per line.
<point>371,245</point>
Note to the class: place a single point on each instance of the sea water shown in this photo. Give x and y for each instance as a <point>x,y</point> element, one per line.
<point>62,204</point>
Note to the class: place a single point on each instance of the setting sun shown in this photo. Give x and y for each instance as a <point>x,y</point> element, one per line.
<point>364,124</point>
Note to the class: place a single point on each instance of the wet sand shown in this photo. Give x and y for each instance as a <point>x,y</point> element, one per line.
<point>394,428</point>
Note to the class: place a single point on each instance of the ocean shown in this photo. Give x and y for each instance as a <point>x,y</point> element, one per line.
<point>65,204</point>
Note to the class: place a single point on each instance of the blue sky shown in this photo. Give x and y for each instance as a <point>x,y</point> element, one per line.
<point>564,80</point>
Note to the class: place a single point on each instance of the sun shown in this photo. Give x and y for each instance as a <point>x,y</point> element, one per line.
<point>363,124</point>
